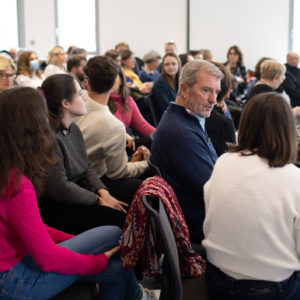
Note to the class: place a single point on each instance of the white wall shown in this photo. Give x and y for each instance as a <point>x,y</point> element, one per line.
<point>39,19</point>
<point>259,27</point>
<point>144,25</point>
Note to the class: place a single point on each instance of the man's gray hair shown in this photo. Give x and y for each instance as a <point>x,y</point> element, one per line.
<point>190,70</point>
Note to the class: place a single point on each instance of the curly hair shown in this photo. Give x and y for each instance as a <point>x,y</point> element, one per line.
<point>27,145</point>
<point>24,67</point>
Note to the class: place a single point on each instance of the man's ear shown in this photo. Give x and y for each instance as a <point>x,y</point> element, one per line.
<point>65,104</point>
<point>184,90</point>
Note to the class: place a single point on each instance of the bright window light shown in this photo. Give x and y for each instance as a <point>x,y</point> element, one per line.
<point>76,24</point>
<point>296,27</point>
<point>8,25</point>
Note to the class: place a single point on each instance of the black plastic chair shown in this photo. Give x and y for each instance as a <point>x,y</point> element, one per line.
<point>153,167</point>
<point>171,285</point>
<point>152,110</point>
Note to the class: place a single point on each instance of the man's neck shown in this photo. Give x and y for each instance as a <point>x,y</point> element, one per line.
<point>99,98</point>
<point>180,101</point>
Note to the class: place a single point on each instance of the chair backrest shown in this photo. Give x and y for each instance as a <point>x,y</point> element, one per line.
<point>172,285</point>
<point>154,168</point>
<point>152,110</point>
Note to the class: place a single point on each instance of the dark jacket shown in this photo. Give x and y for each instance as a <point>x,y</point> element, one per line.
<point>291,84</point>
<point>185,157</point>
<point>162,94</point>
<point>220,130</point>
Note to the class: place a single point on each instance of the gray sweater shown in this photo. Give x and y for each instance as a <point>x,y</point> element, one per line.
<point>73,180</point>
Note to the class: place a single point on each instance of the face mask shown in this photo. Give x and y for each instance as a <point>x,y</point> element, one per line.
<point>34,65</point>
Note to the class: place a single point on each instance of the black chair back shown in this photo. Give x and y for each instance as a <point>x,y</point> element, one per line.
<point>172,285</point>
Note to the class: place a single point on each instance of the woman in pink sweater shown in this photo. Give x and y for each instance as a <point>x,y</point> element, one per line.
<point>126,110</point>
<point>36,261</point>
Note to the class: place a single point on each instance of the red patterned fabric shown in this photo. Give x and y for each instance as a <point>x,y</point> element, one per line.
<point>140,238</point>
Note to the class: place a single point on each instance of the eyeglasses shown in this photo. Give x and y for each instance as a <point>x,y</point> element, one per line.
<point>5,76</point>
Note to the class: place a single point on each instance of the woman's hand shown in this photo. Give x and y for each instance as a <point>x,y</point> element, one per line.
<point>146,88</point>
<point>142,150</point>
<point>130,142</point>
<point>111,252</point>
<point>105,199</point>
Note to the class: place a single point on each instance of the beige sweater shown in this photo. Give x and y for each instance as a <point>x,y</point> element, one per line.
<point>105,141</point>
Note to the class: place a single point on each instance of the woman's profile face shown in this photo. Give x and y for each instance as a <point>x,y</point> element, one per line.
<point>171,66</point>
<point>130,62</point>
<point>77,107</point>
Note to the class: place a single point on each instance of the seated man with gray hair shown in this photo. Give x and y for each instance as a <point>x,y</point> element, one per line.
<point>150,72</point>
<point>181,148</point>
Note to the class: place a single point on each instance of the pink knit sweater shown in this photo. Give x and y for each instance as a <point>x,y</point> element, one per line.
<point>132,117</point>
<point>23,232</point>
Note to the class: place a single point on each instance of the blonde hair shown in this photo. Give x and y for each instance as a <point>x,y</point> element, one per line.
<point>53,54</point>
<point>5,63</point>
<point>271,68</point>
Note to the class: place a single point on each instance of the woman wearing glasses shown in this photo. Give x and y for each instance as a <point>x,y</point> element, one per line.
<point>7,73</point>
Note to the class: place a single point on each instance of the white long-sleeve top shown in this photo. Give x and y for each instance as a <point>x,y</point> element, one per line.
<point>33,82</point>
<point>252,224</point>
<point>53,69</point>
<point>105,140</point>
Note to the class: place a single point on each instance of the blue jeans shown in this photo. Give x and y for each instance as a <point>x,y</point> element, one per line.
<point>222,286</point>
<point>26,280</point>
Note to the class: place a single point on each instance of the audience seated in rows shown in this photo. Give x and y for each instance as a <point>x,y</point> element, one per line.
<point>105,135</point>
<point>165,87</point>
<point>181,148</point>
<point>28,72</point>
<point>125,109</point>
<point>115,55</point>
<point>56,61</point>
<point>235,65</point>
<point>139,63</point>
<point>271,77</point>
<point>75,199</point>
<point>206,54</point>
<point>46,261</point>
<point>128,63</point>
<point>291,83</point>
<point>149,72</point>
<point>75,66</point>
<point>252,208</point>
<point>7,73</point>
<point>220,128</point>
<point>196,54</point>
<point>78,51</point>
<point>184,58</point>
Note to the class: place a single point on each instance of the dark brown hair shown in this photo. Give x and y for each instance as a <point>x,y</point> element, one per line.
<point>56,88</point>
<point>225,82</point>
<point>173,83</point>
<point>237,50</point>
<point>126,54</point>
<point>74,61</point>
<point>101,72</point>
<point>123,92</point>
<point>27,143</point>
<point>267,128</point>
